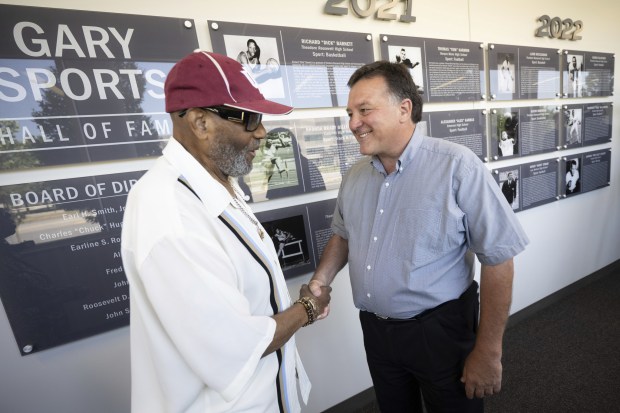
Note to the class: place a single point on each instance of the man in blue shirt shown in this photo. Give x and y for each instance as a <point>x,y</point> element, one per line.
<point>410,219</point>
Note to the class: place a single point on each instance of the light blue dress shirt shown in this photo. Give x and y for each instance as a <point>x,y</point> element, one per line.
<point>412,234</point>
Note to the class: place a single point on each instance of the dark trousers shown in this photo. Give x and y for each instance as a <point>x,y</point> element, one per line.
<point>421,359</point>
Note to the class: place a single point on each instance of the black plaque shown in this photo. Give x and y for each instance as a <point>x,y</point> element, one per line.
<point>301,156</point>
<point>586,172</point>
<point>465,127</point>
<point>276,171</point>
<point>443,70</point>
<point>596,170</point>
<point>539,183</point>
<point>330,148</point>
<point>304,68</point>
<point>529,185</point>
<point>299,234</point>
<point>61,277</point>
<point>79,86</point>
<point>524,131</point>
<point>517,72</point>
<point>586,124</point>
<point>587,74</point>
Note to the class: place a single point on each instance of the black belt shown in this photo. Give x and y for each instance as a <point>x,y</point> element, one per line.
<point>470,293</point>
<point>414,318</point>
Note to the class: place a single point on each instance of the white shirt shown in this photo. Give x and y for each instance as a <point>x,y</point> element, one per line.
<point>507,146</point>
<point>200,303</point>
<point>571,179</point>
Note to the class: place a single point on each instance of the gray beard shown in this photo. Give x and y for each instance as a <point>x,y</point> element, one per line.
<point>231,161</point>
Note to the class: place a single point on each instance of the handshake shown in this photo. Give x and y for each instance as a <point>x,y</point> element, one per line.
<point>315,298</point>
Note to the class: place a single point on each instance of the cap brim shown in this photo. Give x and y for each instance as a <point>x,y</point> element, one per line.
<point>266,107</point>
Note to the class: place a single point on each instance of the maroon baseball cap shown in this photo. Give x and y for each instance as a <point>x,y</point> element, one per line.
<point>205,79</point>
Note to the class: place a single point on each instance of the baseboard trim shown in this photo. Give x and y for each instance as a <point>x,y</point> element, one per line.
<point>562,293</point>
<point>358,403</point>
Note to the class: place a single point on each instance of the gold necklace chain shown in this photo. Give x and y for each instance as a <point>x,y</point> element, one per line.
<point>240,204</point>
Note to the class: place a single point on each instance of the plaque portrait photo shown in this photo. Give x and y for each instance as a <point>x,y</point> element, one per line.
<point>508,183</point>
<point>506,72</point>
<point>573,176</point>
<point>508,134</point>
<point>573,118</point>
<point>576,75</point>
<point>260,56</point>
<point>412,58</point>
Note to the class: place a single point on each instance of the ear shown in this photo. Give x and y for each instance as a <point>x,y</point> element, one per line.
<point>406,107</point>
<point>198,122</point>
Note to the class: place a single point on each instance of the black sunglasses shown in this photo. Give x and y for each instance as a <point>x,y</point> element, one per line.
<point>251,120</point>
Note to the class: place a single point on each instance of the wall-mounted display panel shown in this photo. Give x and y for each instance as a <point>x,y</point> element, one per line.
<point>586,172</point>
<point>301,156</point>
<point>586,124</point>
<point>529,185</point>
<point>465,127</point>
<point>303,68</point>
<point>443,70</point>
<point>518,72</point>
<point>523,131</point>
<point>79,86</point>
<point>587,74</point>
<point>62,276</point>
<point>300,234</point>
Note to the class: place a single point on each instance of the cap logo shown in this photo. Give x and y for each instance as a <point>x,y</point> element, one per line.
<point>249,77</point>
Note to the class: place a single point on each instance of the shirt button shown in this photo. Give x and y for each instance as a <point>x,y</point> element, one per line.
<point>368,267</point>
<point>375,239</point>
<point>381,211</point>
<point>387,184</point>
<point>368,295</point>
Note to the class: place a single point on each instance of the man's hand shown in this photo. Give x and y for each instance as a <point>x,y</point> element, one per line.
<point>321,299</point>
<point>482,374</point>
<point>317,288</point>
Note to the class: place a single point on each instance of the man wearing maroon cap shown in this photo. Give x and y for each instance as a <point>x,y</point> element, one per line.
<point>212,323</point>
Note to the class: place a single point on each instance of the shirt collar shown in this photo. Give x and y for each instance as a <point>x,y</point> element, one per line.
<point>213,194</point>
<point>406,157</point>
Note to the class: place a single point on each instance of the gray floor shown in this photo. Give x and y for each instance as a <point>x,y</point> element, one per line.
<point>560,356</point>
<point>566,357</point>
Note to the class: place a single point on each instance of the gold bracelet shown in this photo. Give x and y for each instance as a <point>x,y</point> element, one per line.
<point>310,307</point>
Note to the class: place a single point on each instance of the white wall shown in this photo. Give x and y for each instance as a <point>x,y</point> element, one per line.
<point>92,375</point>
